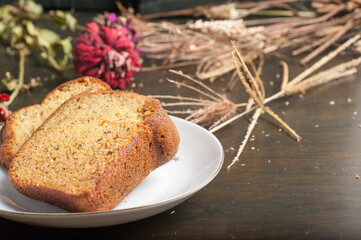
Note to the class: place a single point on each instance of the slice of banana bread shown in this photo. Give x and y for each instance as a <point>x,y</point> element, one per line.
<point>94,150</point>
<point>22,123</point>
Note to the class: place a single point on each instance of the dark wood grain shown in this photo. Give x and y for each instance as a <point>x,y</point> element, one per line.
<point>284,189</point>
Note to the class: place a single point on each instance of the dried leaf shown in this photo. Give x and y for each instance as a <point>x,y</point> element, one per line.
<point>66,47</point>
<point>63,19</point>
<point>47,38</point>
<point>10,82</point>
<point>31,8</point>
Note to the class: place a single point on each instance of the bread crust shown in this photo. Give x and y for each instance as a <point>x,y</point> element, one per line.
<point>154,144</point>
<point>10,142</point>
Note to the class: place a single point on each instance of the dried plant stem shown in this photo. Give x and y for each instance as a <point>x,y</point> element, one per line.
<point>208,74</point>
<point>180,112</point>
<point>199,83</point>
<point>313,28</point>
<point>248,88</point>
<point>285,76</point>
<point>257,73</point>
<point>274,97</point>
<point>284,13</point>
<point>310,46</point>
<point>225,123</point>
<point>255,4</point>
<point>178,98</point>
<point>240,105</point>
<point>185,104</point>
<point>250,128</point>
<point>232,81</point>
<point>323,61</point>
<point>283,124</point>
<point>328,43</point>
<point>322,18</point>
<point>260,64</point>
<point>316,81</point>
<point>193,88</point>
<point>341,70</point>
<point>266,21</point>
<point>249,103</point>
<point>197,117</point>
<point>222,119</point>
<point>254,92</point>
<point>169,66</point>
<point>181,12</point>
<point>20,84</point>
<point>259,10</point>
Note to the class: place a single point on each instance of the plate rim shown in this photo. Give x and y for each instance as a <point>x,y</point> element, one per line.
<point>158,203</point>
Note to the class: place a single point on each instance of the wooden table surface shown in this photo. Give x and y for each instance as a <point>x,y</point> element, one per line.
<point>282,190</point>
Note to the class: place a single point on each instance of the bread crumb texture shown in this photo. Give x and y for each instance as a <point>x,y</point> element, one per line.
<point>94,150</point>
<point>22,123</point>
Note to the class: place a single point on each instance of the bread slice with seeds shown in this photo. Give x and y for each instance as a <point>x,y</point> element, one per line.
<point>94,150</point>
<point>22,123</point>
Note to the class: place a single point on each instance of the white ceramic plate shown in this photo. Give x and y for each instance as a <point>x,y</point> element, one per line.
<point>198,161</point>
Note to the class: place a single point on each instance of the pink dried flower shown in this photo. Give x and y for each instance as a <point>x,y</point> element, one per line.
<point>107,53</point>
<point>112,17</point>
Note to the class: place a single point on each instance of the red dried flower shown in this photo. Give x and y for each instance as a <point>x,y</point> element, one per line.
<point>4,111</point>
<point>4,97</point>
<point>107,53</point>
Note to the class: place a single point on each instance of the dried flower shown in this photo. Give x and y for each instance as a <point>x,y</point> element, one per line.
<point>112,17</point>
<point>113,21</point>
<point>4,97</point>
<point>107,53</point>
<point>4,111</point>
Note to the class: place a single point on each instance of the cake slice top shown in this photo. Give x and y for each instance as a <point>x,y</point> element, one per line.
<point>79,142</point>
<point>21,124</point>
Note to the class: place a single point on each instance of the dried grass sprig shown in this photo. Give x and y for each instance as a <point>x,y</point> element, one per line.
<point>339,71</point>
<point>220,96</point>
<point>211,111</point>
<point>299,84</point>
<point>323,61</point>
<point>206,43</point>
<point>253,89</point>
<point>283,124</point>
<point>253,92</point>
<point>180,98</point>
<point>292,87</point>
<point>308,47</point>
<point>328,43</point>
<point>250,128</point>
<point>235,10</point>
<point>285,76</point>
